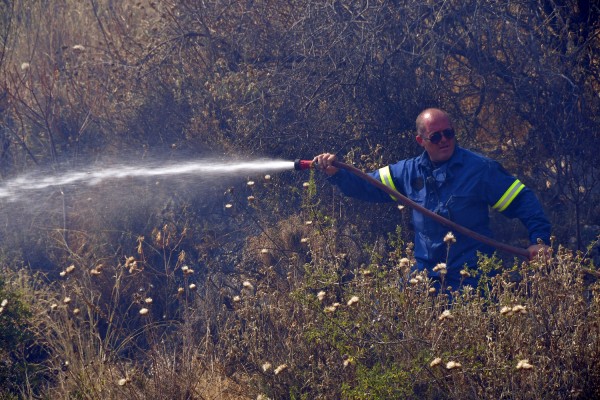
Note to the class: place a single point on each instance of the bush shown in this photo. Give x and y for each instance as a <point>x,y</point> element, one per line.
<point>21,354</point>
<point>381,331</point>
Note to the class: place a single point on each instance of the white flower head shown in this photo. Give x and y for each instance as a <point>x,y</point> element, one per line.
<point>404,262</point>
<point>354,300</point>
<point>439,267</point>
<point>266,366</point>
<point>280,369</point>
<point>446,315</point>
<point>332,308</point>
<point>524,364</point>
<point>435,361</point>
<point>449,238</point>
<point>506,310</point>
<point>321,295</point>
<point>453,365</point>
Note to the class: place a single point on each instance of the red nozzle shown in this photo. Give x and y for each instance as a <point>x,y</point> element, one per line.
<point>302,164</point>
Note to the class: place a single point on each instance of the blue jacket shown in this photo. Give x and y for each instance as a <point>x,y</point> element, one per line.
<point>462,190</point>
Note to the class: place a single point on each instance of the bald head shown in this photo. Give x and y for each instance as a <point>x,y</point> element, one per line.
<point>431,115</point>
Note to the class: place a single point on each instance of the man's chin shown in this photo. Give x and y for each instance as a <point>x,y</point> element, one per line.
<point>444,155</point>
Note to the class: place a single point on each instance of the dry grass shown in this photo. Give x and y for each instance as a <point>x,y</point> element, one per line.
<point>377,333</point>
<point>314,317</point>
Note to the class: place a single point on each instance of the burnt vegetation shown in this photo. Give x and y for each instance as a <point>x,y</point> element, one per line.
<point>203,288</point>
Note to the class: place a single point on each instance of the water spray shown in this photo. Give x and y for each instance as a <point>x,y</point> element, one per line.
<point>21,188</point>
<point>517,251</point>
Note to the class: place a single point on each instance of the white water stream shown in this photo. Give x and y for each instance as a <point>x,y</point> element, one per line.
<point>21,187</point>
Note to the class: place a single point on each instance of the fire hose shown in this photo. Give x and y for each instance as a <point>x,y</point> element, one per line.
<point>517,251</point>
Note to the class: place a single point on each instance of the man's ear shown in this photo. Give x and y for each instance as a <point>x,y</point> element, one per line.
<point>419,140</point>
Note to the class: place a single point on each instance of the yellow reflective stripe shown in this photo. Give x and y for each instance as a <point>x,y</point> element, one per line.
<point>509,196</point>
<point>386,178</point>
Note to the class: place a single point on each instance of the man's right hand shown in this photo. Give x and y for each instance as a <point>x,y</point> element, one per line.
<point>539,251</point>
<point>324,163</point>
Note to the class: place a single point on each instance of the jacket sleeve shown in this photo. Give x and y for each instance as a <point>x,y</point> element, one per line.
<point>358,188</point>
<point>528,209</point>
<point>513,199</point>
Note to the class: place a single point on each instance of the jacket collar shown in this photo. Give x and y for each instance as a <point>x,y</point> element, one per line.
<point>443,172</point>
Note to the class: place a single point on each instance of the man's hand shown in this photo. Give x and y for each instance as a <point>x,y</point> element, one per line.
<point>324,162</point>
<point>539,250</point>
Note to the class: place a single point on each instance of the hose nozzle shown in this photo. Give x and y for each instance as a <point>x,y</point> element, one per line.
<point>300,165</point>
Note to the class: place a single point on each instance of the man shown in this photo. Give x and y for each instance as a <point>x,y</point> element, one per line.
<point>455,183</point>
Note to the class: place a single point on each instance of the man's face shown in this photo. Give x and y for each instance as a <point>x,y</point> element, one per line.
<point>443,150</point>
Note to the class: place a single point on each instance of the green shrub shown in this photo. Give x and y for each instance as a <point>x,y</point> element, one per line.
<point>21,355</point>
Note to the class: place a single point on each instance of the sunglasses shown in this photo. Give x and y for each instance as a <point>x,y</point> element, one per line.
<point>436,137</point>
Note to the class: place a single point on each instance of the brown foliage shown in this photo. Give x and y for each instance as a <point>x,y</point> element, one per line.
<point>82,82</point>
